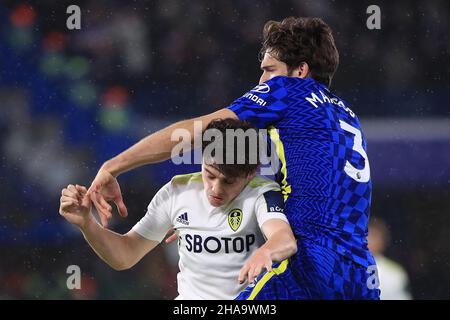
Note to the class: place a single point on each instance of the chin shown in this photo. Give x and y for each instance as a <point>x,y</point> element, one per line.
<point>215,203</point>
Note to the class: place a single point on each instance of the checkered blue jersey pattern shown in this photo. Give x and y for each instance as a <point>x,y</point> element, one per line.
<point>315,273</point>
<point>324,170</point>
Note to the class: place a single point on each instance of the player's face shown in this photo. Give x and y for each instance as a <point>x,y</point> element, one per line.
<point>271,67</point>
<point>220,189</point>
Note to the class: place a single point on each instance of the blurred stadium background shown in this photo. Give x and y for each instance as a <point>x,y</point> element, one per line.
<point>72,99</point>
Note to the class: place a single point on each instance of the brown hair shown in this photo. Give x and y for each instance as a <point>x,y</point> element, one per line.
<point>235,127</point>
<point>296,40</point>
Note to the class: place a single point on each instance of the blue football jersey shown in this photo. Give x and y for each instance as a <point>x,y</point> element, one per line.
<point>324,170</point>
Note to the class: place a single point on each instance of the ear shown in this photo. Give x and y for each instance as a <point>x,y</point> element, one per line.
<point>302,71</point>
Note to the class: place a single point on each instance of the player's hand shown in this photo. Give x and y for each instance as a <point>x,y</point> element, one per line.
<point>103,189</point>
<point>75,205</point>
<point>259,260</point>
<point>172,235</point>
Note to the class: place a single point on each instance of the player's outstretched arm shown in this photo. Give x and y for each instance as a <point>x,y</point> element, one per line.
<point>154,148</point>
<point>119,251</point>
<point>280,245</point>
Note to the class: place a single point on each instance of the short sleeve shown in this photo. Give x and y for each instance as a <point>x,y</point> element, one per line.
<point>264,105</point>
<point>270,205</point>
<point>157,220</point>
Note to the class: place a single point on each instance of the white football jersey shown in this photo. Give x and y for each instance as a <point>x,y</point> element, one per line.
<point>214,242</point>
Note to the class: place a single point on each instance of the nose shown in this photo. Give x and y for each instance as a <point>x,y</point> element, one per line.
<point>262,79</point>
<point>217,188</point>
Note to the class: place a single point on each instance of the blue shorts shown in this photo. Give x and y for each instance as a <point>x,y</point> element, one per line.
<point>314,273</point>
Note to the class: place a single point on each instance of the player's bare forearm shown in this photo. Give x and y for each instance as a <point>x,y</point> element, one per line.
<point>118,251</point>
<point>280,246</point>
<point>111,247</point>
<point>281,243</point>
<point>158,146</point>
<point>151,149</point>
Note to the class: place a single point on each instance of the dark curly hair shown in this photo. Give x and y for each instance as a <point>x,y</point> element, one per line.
<point>296,40</point>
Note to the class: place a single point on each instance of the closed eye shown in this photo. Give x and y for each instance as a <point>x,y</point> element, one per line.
<point>268,68</point>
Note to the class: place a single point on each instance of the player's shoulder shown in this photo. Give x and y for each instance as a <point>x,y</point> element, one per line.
<point>260,185</point>
<point>282,87</point>
<point>293,81</point>
<point>187,180</point>
<point>269,192</point>
<point>179,184</point>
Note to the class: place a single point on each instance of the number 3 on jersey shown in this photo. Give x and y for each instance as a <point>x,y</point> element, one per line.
<point>360,175</point>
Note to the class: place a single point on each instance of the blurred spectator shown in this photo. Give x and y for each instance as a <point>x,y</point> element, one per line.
<point>394,282</point>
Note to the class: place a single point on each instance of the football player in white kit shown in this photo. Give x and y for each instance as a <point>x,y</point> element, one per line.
<point>230,225</point>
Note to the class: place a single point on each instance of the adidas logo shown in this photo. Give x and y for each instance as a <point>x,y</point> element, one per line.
<point>183,218</point>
